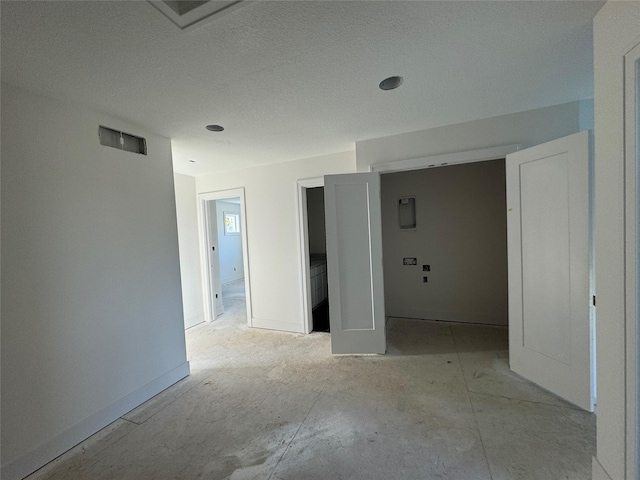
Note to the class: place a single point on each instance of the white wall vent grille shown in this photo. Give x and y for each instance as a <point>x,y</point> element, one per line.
<point>121,140</point>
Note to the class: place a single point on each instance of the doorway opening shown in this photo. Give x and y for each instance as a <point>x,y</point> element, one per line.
<point>444,242</point>
<point>432,263</point>
<point>230,268</point>
<point>317,238</point>
<point>313,241</point>
<point>225,260</point>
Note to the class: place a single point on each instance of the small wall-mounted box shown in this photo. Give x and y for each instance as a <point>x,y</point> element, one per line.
<point>407,213</point>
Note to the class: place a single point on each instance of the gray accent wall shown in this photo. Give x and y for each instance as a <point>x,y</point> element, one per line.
<point>460,234</point>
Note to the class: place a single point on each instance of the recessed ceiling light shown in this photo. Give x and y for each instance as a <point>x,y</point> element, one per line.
<point>215,128</point>
<point>391,83</point>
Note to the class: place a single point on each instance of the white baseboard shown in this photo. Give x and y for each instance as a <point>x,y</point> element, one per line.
<point>62,442</point>
<point>194,320</point>
<point>464,317</point>
<point>598,472</point>
<point>293,327</point>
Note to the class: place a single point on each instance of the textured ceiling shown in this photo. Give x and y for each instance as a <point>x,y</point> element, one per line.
<point>296,79</point>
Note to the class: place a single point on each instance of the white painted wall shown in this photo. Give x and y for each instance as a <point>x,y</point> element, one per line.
<point>230,246</point>
<point>190,267</point>
<point>92,318</point>
<point>616,30</point>
<point>460,232</point>
<point>315,215</point>
<point>526,128</point>
<point>274,257</point>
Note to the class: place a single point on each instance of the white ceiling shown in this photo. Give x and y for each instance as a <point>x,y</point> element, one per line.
<point>297,79</point>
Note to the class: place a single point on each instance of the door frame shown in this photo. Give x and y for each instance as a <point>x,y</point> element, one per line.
<point>632,256</point>
<point>213,239</point>
<point>454,158</point>
<point>303,247</point>
<point>207,281</point>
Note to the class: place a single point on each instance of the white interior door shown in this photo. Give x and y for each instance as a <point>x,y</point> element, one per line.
<point>549,252</point>
<point>354,263</point>
<point>214,260</point>
<point>632,254</point>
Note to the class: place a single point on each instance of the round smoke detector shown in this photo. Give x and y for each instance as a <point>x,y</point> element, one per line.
<point>391,83</point>
<point>215,128</point>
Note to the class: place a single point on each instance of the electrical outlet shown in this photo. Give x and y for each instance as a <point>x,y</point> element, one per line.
<point>425,279</point>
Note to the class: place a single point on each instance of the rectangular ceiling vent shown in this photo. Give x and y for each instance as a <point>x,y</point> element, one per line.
<point>121,140</point>
<point>188,14</point>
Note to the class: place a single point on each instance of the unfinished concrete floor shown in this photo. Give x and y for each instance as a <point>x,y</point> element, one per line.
<point>441,404</point>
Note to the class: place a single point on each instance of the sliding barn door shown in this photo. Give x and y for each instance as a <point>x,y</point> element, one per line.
<point>354,263</point>
<point>549,252</point>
